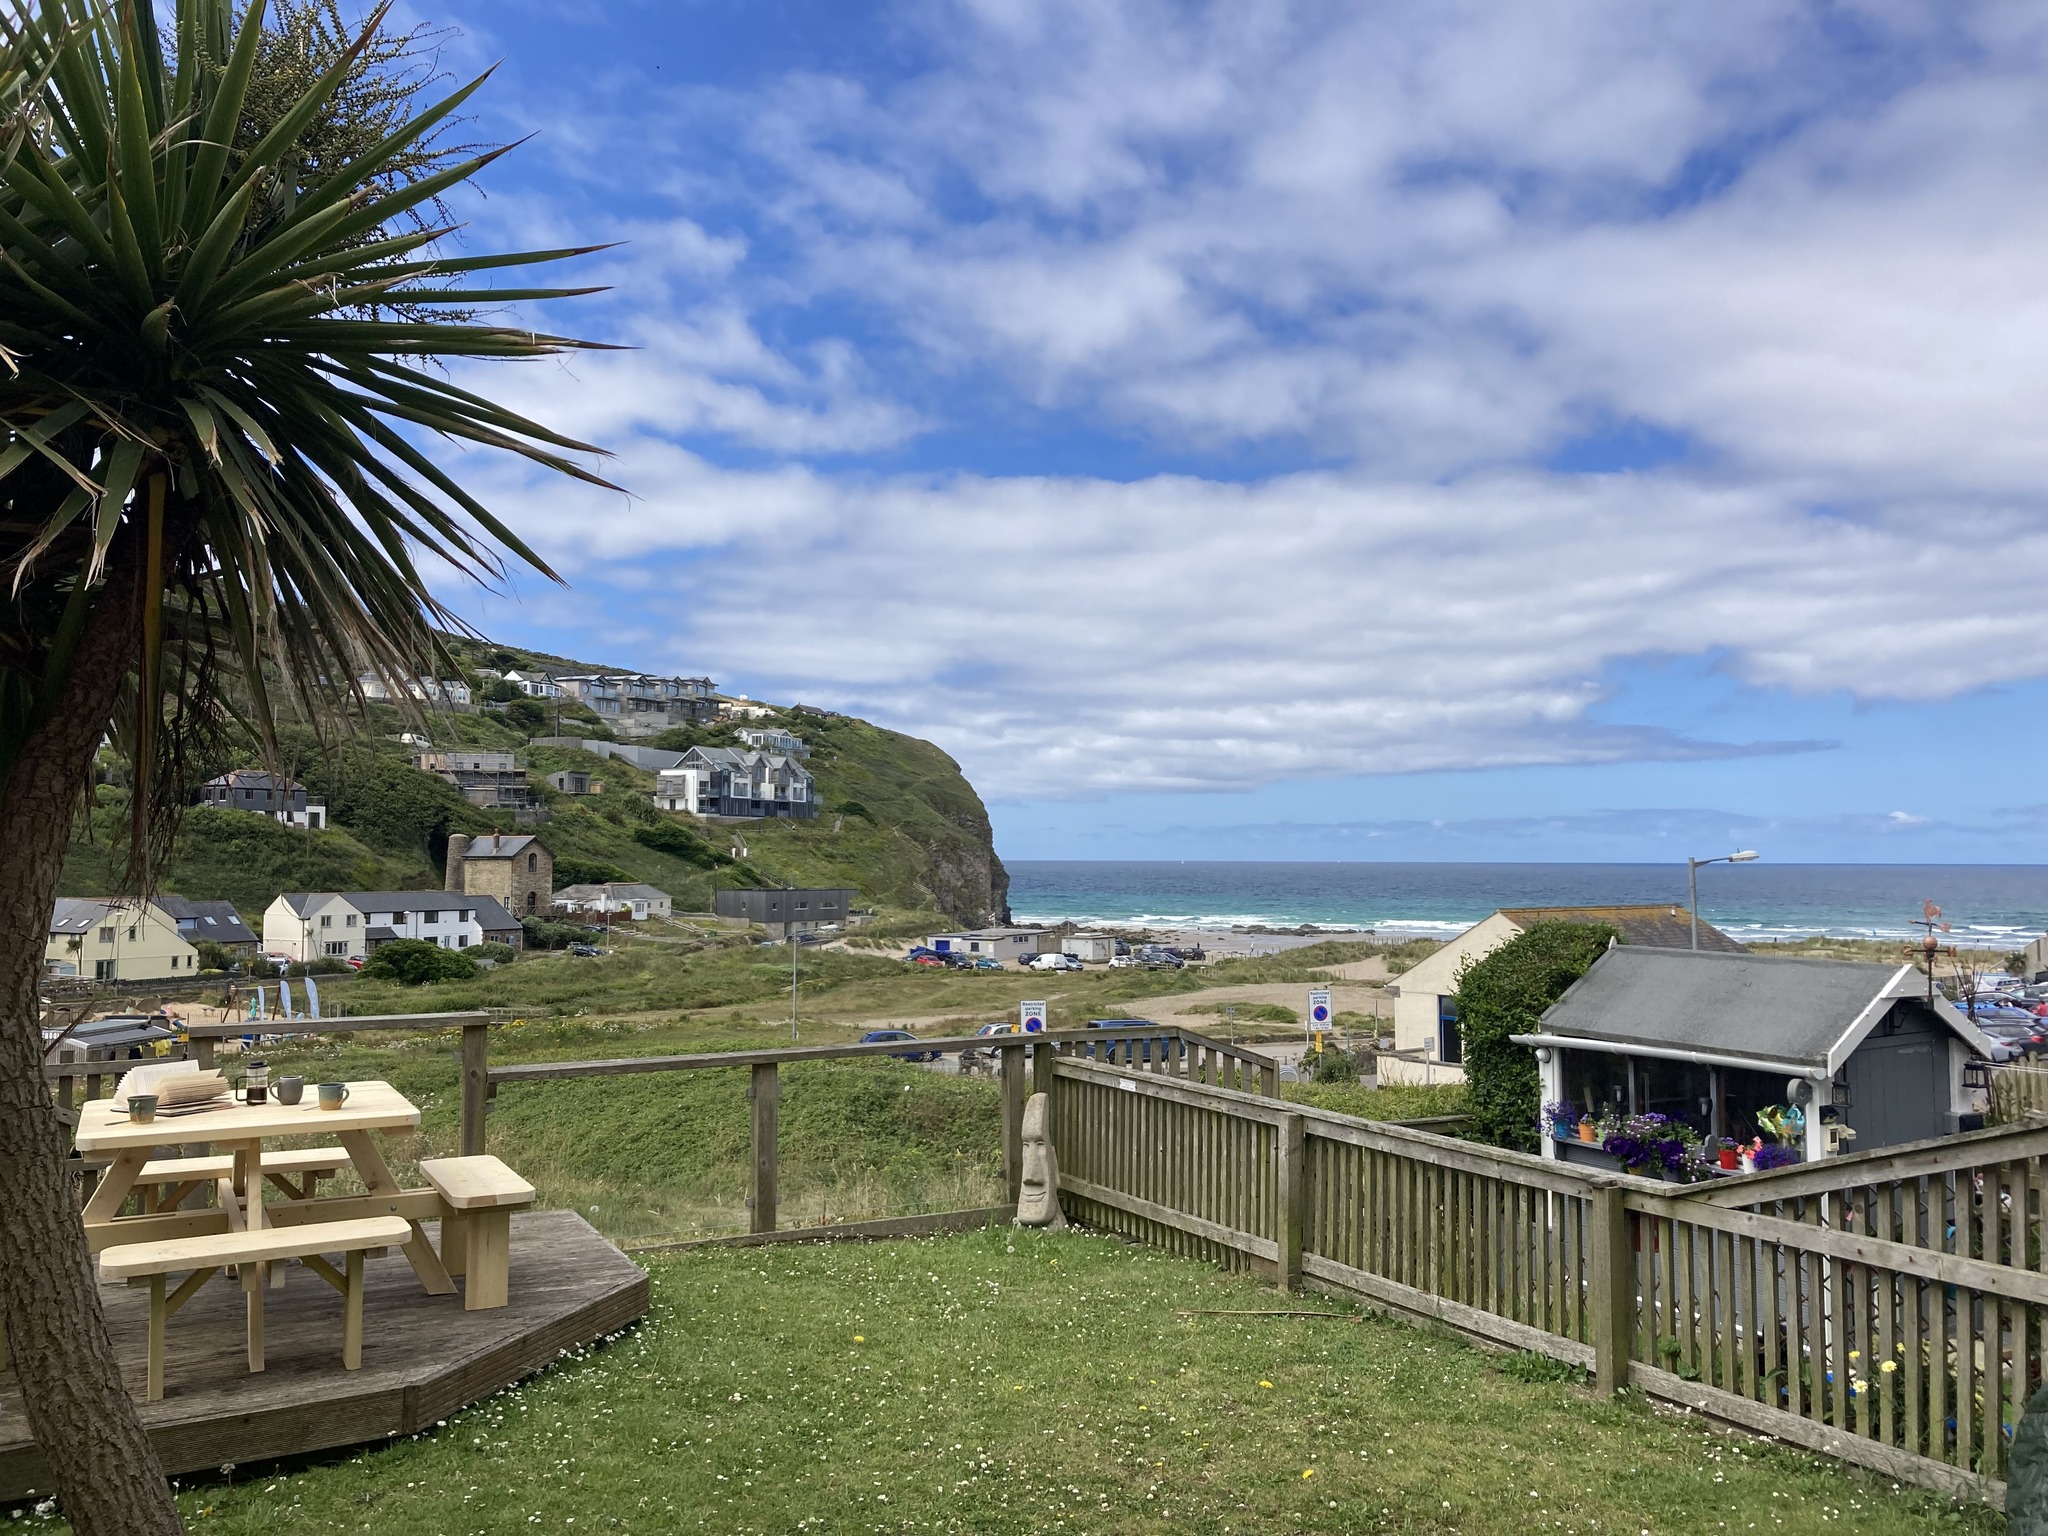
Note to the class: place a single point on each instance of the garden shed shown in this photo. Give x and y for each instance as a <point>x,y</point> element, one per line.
<point>1855,1052</point>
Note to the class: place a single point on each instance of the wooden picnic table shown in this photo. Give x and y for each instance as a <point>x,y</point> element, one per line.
<point>105,1129</point>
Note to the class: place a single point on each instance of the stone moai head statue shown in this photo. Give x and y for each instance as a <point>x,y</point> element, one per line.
<point>1038,1194</point>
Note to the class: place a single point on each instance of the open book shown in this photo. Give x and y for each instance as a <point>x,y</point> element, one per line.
<point>173,1082</point>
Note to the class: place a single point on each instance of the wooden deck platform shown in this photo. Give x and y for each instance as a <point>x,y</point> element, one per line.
<point>423,1356</point>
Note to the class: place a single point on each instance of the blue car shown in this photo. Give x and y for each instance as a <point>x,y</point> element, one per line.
<point>884,1036</point>
<point>1142,1047</point>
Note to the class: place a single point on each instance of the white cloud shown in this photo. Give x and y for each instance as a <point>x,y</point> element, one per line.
<point>1423,243</point>
<point>1074,637</point>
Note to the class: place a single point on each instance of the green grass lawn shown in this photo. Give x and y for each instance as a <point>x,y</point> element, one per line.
<point>1011,1382</point>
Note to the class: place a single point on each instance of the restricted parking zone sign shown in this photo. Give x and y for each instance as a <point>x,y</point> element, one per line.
<point>1031,1018</point>
<point>1319,1008</point>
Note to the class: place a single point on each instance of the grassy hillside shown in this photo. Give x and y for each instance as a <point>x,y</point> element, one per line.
<point>898,821</point>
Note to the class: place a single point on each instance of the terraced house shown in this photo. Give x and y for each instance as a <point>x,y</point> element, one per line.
<point>725,781</point>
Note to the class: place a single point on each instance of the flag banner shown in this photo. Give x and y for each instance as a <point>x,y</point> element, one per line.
<point>312,999</point>
<point>284,999</point>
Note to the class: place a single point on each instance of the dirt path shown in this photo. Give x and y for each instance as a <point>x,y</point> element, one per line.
<point>1374,969</point>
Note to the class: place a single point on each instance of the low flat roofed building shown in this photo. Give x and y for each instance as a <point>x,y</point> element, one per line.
<point>1003,943</point>
<point>265,794</point>
<point>795,910</point>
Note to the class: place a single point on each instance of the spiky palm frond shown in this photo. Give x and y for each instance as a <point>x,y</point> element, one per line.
<point>216,373</point>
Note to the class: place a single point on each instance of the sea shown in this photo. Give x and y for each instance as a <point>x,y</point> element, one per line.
<point>1986,905</point>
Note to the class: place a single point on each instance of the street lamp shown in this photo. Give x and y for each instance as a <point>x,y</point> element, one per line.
<point>1692,879</point>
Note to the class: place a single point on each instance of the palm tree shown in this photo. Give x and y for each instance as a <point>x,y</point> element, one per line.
<point>219,356</point>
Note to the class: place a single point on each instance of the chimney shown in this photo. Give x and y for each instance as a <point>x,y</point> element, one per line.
<point>458,848</point>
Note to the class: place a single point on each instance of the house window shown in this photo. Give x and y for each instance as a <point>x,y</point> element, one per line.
<point>531,904</point>
<point>462,941</point>
<point>133,929</point>
<point>430,917</point>
<point>349,921</point>
<point>1450,1049</point>
<point>106,935</point>
<point>103,970</point>
<point>533,863</point>
<point>469,914</point>
<point>326,922</point>
<point>338,947</point>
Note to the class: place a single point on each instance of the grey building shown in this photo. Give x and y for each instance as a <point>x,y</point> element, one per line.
<point>1713,1038</point>
<point>786,910</point>
<point>266,794</point>
<point>728,781</point>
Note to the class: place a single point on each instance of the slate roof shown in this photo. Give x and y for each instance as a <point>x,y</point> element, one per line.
<point>496,845</point>
<point>1792,1011</point>
<point>76,914</point>
<point>217,921</point>
<point>1666,925</point>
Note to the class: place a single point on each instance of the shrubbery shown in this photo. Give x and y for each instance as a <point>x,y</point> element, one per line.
<point>414,962</point>
<point>679,841</point>
<point>496,953</point>
<point>541,933</point>
<point>1504,994</point>
<point>586,872</point>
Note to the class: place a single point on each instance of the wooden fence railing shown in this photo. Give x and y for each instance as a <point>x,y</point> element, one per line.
<point>1887,1308</point>
<point>1154,1051</point>
<point>2018,1090</point>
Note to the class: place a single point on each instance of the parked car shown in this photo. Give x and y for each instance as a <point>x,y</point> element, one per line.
<point>1143,1047</point>
<point>1122,962</point>
<point>987,963</point>
<point>929,962</point>
<point>1053,963</point>
<point>958,962</point>
<point>2025,1039</point>
<point>883,1036</point>
<point>1000,1027</point>
<point>588,951</point>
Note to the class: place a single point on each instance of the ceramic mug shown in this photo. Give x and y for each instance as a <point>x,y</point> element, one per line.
<point>332,1095</point>
<point>142,1107</point>
<point>288,1090</point>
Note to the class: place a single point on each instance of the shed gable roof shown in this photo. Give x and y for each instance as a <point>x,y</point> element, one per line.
<point>1806,1014</point>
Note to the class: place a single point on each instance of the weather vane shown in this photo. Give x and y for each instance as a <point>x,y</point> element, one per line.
<point>1928,949</point>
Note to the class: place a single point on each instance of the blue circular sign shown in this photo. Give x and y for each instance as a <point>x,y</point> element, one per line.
<point>1321,1013</point>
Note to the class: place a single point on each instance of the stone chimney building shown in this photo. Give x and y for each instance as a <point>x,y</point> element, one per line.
<point>519,871</point>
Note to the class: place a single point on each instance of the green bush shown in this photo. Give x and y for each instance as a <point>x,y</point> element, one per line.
<point>544,934</point>
<point>414,962</point>
<point>500,953</point>
<point>673,838</point>
<point>215,957</point>
<point>586,872</point>
<point>1504,994</point>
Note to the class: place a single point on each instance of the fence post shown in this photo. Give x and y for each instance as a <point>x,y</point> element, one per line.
<point>476,1046</point>
<point>1013,1120</point>
<point>1292,1142</point>
<point>765,1089</point>
<point>1042,1054</point>
<point>1269,1081</point>
<point>1611,1305</point>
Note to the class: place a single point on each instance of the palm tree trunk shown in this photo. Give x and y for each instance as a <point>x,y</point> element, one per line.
<point>106,1472</point>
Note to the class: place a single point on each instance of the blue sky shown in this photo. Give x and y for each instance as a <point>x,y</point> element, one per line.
<point>1314,430</point>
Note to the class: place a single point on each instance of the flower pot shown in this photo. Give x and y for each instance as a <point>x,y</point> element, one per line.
<point>1586,1130</point>
<point>1730,1158</point>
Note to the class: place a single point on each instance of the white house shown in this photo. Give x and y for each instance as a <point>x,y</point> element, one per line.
<point>1426,1041</point>
<point>535,685</point>
<point>424,689</point>
<point>330,925</point>
<point>772,738</point>
<point>1002,943</point>
<point>627,898</point>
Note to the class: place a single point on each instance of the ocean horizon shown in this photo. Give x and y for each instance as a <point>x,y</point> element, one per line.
<point>1986,905</point>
